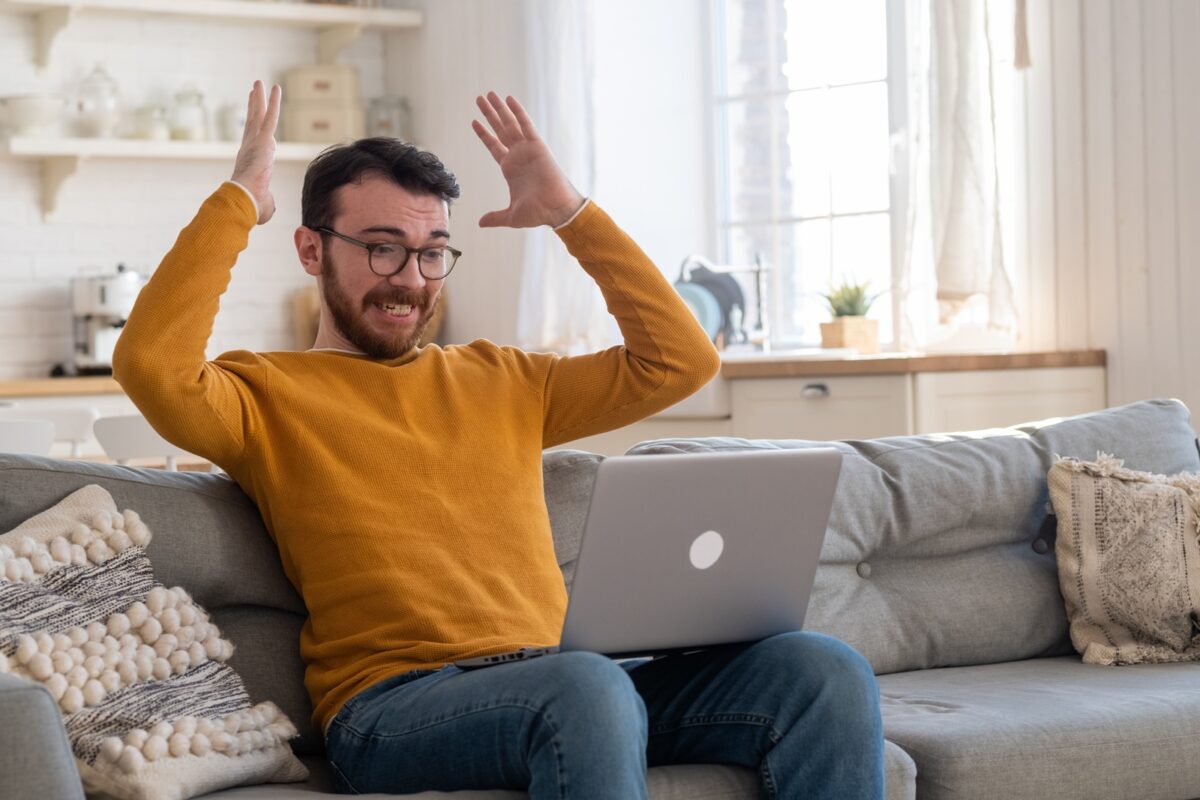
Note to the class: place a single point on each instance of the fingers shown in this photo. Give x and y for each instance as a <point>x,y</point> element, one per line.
<point>495,219</point>
<point>262,114</point>
<point>271,120</point>
<point>501,118</point>
<point>254,110</point>
<point>493,144</point>
<point>522,118</point>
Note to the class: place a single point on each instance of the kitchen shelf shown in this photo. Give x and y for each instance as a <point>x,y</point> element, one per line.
<point>61,157</point>
<point>336,26</point>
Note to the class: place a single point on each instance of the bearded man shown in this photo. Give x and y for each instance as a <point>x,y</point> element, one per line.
<point>402,486</point>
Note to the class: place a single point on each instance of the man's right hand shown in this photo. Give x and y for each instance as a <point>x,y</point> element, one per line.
<point>257,154</point>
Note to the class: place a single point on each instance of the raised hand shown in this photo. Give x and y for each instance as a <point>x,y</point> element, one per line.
<point>257,154</point>
<point>538,191</point>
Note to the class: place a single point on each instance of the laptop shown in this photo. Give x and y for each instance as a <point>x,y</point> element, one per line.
<point>686,551</point>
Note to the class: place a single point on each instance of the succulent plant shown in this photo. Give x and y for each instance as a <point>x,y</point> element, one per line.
<point>850,299</point>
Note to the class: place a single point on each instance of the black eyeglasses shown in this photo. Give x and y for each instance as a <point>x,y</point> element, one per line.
<point>386,259</point>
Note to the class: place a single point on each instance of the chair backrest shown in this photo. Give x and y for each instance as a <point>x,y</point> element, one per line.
<point>72,424</point>
<point>27,436</point>
<point>127,437</point>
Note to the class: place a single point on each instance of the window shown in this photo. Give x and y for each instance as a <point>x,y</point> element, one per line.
<point>807,98</point>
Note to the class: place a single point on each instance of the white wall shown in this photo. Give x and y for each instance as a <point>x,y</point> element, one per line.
<point>1112,189</point>
<point>131,211</point>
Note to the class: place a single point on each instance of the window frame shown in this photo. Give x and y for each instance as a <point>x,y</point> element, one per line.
<point>898,179</point>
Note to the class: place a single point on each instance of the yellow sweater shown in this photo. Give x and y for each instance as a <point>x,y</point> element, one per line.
<point>404,496</point>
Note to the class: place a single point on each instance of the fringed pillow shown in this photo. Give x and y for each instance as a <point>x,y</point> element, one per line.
<point>1128,554</point>
<point>151,709</point>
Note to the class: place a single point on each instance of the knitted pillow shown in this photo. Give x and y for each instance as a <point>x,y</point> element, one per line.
<point>1128,560</point>
<point>151,709</point>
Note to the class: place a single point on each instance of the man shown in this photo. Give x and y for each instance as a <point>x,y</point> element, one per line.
<point>402,486</point>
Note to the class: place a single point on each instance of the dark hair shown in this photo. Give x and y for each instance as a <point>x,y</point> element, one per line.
<point>404,164</point>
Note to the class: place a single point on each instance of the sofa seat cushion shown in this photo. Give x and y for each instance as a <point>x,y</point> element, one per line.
<point>691,782</point>
<point>1013,729</point>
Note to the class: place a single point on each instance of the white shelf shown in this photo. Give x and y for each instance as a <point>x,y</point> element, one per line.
<point>337,25</point>
<point>61,157</point>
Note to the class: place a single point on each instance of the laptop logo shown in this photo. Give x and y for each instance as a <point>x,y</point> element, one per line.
<point>706,549</point>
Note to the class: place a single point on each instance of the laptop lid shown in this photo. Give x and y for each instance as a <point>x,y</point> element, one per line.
<point>690,550</point>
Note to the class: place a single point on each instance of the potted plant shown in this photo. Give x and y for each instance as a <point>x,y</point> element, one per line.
<point>850,327</point>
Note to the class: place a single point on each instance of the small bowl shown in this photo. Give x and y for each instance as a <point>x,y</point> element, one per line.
<point>33,114</point>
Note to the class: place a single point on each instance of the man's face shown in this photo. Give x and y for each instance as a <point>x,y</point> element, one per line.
<point>365,308</point>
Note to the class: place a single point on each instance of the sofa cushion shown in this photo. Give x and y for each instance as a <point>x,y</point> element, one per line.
<point>687,782</point>
<point>1013,730</point>
<point>940,550</point>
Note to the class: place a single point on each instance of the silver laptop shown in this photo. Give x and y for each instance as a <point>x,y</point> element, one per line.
<point>681,552</point>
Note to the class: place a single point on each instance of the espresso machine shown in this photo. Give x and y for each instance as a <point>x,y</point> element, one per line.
<point>100,304</point>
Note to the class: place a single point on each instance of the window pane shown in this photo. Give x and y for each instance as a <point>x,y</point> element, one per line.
<point>858,120</point>
<point>757,140</point>
<point>835,42</point>
<point>862,251</point>
<point>749,50</point>
<point>807,176</point>
<point>798,256</point>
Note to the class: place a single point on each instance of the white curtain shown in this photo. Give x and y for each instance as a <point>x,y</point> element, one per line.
<point>953,288</point>
<point>561,309</point>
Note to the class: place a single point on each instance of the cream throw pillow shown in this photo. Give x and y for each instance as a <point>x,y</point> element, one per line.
<point>151,709</point>
<point>1128,560</point>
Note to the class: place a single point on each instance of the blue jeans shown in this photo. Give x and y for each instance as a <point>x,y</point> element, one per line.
<point>801,709</point>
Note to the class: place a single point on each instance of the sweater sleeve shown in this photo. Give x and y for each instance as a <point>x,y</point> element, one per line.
<point>666,355</point>
<point>159,360</point>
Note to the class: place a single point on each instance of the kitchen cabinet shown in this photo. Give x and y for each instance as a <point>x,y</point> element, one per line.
<point>974,399</point>
<point>863,398</point>
<point>822,407</point>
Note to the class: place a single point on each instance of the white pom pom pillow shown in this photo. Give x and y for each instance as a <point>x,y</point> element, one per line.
<point>151,709</point>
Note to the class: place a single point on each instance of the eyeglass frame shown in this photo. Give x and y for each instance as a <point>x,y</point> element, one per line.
<point>370,247</point>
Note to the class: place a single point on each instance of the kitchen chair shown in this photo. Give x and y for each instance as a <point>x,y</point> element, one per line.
<point>26,436</point>
<point>72,424</point>
<point>128,437</point>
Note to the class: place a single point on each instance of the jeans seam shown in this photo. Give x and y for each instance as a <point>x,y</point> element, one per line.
<point>713,719</point>
<point>429,723</point>
<point>342,775</point>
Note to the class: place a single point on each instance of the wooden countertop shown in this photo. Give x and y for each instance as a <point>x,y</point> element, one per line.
<point>742,365</point>
<point>778,365</point>
<point>56,387</point>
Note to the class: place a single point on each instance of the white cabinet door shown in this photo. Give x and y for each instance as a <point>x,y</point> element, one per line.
<point>972,400</point>
<point>855,407</point>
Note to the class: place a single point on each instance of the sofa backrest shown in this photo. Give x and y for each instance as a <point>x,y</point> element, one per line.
<point>208,538</point>
<point>940,549</point>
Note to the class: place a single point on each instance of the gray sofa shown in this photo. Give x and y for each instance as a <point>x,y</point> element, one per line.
<point>939,567</point>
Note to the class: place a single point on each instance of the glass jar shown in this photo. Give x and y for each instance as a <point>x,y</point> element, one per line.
<point>189,117</point>
<point>390,116</point>
<point>150,122</point>
<point>98,105</point>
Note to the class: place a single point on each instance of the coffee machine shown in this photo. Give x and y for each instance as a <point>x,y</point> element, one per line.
<point>100,304</point>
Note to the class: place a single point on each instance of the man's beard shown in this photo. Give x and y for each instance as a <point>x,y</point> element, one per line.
<point>352,324</point>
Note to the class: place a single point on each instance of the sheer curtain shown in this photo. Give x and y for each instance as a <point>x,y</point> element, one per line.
<point>560,307</point>
<point>953,282</point>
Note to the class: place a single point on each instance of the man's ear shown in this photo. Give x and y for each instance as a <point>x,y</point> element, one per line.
<point>309,249</point>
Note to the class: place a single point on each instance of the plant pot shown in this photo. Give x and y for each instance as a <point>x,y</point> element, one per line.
<point>858,332</point>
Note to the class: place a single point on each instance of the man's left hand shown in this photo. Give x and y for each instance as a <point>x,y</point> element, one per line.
<point>538,191</point>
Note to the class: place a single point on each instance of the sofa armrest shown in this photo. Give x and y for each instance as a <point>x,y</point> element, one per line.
<point>36,762</point>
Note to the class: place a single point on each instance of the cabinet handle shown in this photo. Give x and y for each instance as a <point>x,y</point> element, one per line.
<point>814,390</point>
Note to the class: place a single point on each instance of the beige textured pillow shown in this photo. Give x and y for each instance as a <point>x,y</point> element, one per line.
<point>150,706</point>
<point>1128,560</point>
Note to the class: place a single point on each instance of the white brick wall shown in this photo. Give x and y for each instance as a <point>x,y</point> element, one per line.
<point>131,211</point>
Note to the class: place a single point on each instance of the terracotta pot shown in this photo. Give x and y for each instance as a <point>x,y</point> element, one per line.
<point>858,332</point>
